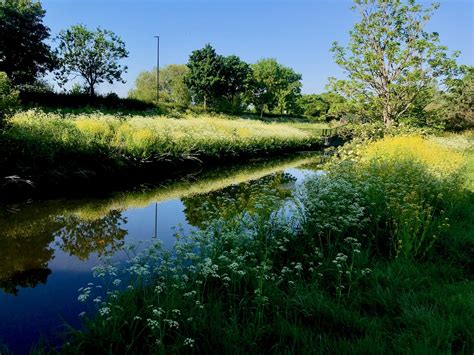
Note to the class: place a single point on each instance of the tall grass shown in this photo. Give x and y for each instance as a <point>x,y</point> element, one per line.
<point>355,267</point>
<point>154,138</point>
<point>49,149</point>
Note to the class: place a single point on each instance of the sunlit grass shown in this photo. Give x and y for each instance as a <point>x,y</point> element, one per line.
<point>155,137</point>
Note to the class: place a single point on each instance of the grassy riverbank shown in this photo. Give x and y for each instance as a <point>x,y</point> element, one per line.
<point>53,149</point>
<point>376,255</point>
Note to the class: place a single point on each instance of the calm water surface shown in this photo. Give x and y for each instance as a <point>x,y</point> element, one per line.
<point>47,248</point>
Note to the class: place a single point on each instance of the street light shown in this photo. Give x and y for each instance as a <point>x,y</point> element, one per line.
<point>157,69</point>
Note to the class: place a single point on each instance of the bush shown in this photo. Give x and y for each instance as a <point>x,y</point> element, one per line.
<point>8,97</point>
<point>81,100</point>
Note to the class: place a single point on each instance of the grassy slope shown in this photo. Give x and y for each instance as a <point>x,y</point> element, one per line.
<point>51,148</point>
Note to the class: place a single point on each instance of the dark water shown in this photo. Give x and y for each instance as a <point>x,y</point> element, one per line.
<point>47,248</point>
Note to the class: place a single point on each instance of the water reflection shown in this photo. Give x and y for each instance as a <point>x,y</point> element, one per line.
<point>81,237</point>
<point>261,194</point>
<point>47,248</point>
<point>26,251</point>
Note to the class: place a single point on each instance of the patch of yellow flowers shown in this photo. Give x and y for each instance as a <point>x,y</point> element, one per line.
<point>438,158</point>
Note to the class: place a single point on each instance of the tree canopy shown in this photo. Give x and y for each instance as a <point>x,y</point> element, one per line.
<point>391,58</point>
<point>274,86</point>
<point>24,55</point>
<point>205,76</point>
<point>214,79</point>
<point>92,55</point>
<point>172,86</point>
<point>458,108</point>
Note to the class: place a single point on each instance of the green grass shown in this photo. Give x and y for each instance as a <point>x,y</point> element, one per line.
<point>36,143</point>
<point>333,277</point>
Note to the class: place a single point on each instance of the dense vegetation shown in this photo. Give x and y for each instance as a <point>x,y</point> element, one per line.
<point>41,148</point>
<point>376,255</point>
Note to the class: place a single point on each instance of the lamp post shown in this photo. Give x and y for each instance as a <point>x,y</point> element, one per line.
<point>157,69</point>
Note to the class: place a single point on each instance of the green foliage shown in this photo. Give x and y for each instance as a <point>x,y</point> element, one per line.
<point>315,280</point>
<point>237,76</point>
<point>217,80</point>
<point>313,105</point>
<point>8,97</point>
<point>78,101</point>
<point>205,75</point>
<point>459,107</point>
<point>92,55</point>
<point>24,54</point>
<point>274,87</point>
<point>172,87</point>
<point>390,58</point>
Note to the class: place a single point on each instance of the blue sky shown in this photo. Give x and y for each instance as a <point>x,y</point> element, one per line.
<point>298,33</point>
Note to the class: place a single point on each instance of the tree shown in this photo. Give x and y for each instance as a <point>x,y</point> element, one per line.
<point>458,108</point>
<point>236,79</point>
<point>313,105</point>
<point>337,105</point>
<point>274,86</point>
<point>172,86</point>
<point>205,77</point>
<point>92,55</point>
<point>390,57</point>
<point>24,55</point>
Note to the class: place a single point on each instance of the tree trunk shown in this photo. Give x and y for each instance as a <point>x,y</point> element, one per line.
<point>261,111</point>
<point>387,109</point>
<point>387,119</point>
<point>205,103</point>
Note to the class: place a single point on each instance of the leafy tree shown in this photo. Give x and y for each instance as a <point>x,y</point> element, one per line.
<point>8,97</point>
<point>24,55</point>
<point>337,105</point>
<point>458,108</point>
<point>92,55</point>
<point>236,79</point>
<point>390,57</point>
<point>172,86</point>
<point>313,105</point>
<point>274,86</point>
<point>215,79</point>
<point>205,77</point>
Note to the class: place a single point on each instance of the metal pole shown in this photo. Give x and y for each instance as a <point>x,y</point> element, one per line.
<point>157,69</point>
<point>156,220</point>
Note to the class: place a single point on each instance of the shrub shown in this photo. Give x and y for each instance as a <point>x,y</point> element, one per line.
<point>8,97</point>
<point>78,100</point>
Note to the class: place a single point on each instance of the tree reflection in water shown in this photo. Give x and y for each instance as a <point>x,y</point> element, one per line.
<point>81,237</point>
<point>26,244</point>
<point>29,238</point>
<point>249,197</point>
<point>25,253</point>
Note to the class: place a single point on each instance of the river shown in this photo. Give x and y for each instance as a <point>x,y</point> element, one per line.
<point>47,248</point>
